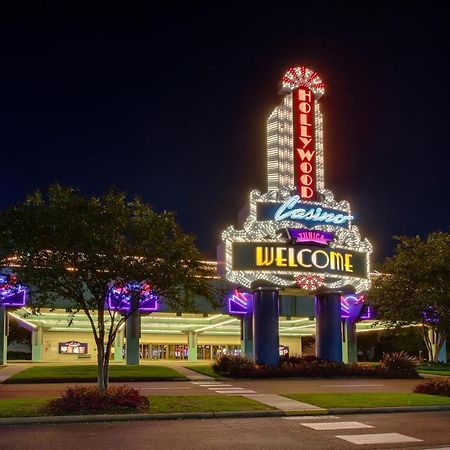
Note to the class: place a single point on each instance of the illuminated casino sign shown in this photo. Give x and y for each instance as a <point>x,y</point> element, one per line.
<point>296,234</point>
<point>304,153</point>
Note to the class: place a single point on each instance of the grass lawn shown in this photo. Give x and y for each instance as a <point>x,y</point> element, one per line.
<point>445,373</point>
<point>23,407</point>
<point>205,370</point>
<point>435,369</point>
<point>203,403</point>
<point>88,373</point>
<point>370,399</point>
<point>158,404</point>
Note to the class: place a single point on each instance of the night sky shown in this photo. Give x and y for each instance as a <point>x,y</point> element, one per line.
<point>170,104</point>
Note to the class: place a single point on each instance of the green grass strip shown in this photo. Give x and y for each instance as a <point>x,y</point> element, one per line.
<point>88,373</point>
<point>445,373</point>
<point>205,370</point>
<point>203,403</point>
<point>32,407</point>
<point>370,399</point>
<point>158,404</point>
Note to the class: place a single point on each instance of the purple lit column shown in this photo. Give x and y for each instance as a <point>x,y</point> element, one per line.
<point>328,327</point>
<point>265,327</point>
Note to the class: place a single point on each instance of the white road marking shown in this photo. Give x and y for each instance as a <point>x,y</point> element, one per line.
<point>320,417</point>
<point>336,425</point>
<point>164,389</point>
<point>351,385</point>
<point>378,438</point>
<point>214,385</point>
<point>237,391</point>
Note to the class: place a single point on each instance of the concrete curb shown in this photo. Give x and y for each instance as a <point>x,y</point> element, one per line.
<point>136,417</point>
<point>211,415</point>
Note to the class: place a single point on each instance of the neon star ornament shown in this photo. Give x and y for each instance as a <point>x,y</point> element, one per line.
<point>12,293</point>
<point>310,282</point>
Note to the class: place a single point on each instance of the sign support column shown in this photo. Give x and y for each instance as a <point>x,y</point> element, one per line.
<point>265,327</point>
<point>328,327</point>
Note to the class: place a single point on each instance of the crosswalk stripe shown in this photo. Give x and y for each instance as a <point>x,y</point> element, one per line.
<point>378,438</point>
<point>240,391</point>
<point>321,417</point>
<point>336,425</point>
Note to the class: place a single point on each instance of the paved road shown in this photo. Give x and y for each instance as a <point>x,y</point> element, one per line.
<point>406,430</point>
<point>260,386</point>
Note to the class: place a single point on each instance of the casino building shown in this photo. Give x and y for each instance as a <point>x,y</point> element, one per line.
<point>296,268</point>
<point>166,335</point>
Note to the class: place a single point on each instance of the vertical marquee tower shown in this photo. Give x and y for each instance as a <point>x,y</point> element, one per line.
<point>296,234</point>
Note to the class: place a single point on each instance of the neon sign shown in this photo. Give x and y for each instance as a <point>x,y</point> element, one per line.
<point>274,256</point>
<point>309,236</point>
<point>293,209</point>
<point>120,297</point>
<point>326,248</point>
<point>304,152</point>
<point>240,302</point>
<point>351,306</point>
<point>12,293</point>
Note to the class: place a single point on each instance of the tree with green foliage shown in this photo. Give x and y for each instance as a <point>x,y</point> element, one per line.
<point>414,288</point>
<point>67,246</point>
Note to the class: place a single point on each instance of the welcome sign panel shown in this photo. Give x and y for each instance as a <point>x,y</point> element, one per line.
<point>280,257</point>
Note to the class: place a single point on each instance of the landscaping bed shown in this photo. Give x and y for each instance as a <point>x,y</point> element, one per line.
<point>88,373</point>
<point>392,366</point>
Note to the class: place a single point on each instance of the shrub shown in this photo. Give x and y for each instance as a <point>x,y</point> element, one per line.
<point>90,399</point>
<point>436,386</point>
<point>399,361</point>
<point>233,366</point>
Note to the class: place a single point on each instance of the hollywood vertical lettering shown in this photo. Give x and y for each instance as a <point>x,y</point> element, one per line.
<point>304,151</point>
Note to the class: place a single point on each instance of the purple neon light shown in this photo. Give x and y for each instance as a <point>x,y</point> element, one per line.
<point>120,295</point>
<point>240,302</point>
<point>351,306</point>
<point>12,293</point>
<point>304,236</point>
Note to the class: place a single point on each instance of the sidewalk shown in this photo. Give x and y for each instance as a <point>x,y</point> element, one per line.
<point>12,369</point>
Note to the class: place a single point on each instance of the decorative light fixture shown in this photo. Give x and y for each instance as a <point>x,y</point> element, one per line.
<point>120,296</point>
<point>12,293</point>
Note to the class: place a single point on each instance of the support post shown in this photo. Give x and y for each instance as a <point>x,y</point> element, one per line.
<point>349,345</point>
<point>133,333</point>
<point>192,345</point>
<point>265,327</point>
<point>118,345</point>
<point>247,336</point>
<point>328,327</point>
<point>36,344</point>
<point>3,335</point>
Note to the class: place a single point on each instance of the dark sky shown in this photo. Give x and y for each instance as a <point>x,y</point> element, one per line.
<point>170,104</point>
